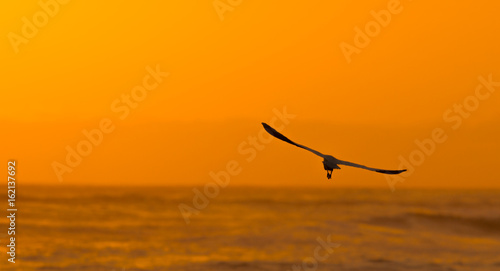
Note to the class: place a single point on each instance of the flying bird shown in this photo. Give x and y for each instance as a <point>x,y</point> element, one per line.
<point>329,162</point>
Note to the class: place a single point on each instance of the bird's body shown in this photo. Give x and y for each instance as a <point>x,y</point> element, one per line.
<point>329,162</point>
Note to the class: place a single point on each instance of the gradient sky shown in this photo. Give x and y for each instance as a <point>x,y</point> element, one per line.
<point>227,76</point>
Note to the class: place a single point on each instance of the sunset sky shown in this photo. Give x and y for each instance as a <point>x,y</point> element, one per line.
<point>204,77</point>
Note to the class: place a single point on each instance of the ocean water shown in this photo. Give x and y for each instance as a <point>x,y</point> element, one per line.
<point>125,229</point>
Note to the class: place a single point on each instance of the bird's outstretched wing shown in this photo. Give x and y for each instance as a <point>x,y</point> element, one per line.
<point>278,135</point>
<point>340,162</point>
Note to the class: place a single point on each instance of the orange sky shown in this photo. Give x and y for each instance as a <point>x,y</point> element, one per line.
<point>226,76</point>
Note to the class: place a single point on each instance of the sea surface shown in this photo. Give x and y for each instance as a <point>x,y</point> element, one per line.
<point>137,228</point>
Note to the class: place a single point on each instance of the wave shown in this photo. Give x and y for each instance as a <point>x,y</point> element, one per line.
<point>440,221</point>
